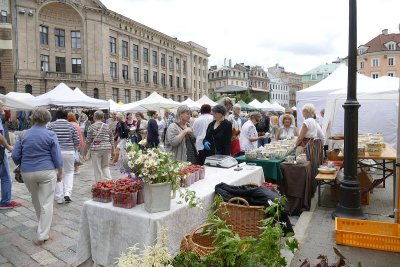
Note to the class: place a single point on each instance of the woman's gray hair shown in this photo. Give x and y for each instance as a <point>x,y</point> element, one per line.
<point>182,109</point>
<point>219,109</point>
<point>255,114</point>
<point>308,110</point>
<point>40,116</point>
<point>98,115</point>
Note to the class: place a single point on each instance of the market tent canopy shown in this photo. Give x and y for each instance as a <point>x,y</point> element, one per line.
<point>268,106</point>
<point>205,100</point>
<point>191,104</point>
<point>20,96</point>
<point>318,93</point>
<point>15,104</point>
<point>244,106</point>
<point>257,104</point>
<point>95,103</point>
<point>152,102</point>
<point>230,89</point>
<point>62,95</point>
<point>114,106</point>
<point>277,107</point>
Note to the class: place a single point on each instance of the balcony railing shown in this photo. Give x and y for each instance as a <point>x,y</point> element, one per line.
<point>62,75</point>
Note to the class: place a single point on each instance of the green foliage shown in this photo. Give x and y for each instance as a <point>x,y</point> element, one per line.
<point>231,250</point>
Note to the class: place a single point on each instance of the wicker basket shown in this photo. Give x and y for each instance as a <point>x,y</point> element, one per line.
<point>245,219</point>
<point>198,242</point>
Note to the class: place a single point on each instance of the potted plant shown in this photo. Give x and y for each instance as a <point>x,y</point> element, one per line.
<point>159,172</point>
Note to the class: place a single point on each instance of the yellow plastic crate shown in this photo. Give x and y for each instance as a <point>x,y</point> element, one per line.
<point>368,234</point>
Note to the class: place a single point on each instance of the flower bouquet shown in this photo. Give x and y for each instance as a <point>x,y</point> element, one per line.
<point>101,191</point>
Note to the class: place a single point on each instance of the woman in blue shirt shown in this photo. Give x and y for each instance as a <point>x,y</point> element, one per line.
<point>39,155</point>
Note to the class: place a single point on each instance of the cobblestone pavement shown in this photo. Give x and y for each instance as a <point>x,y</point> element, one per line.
<point>18,226</point>
<point>319,238</point>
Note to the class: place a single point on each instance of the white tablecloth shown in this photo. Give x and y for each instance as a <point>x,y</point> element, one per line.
<point>106,231</point>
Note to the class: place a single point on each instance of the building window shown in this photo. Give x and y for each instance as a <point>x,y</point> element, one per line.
<point>146,76</point>
<point>135,52</point>
<point>96,93</point>
<point>155,77</point>
<point>178,64</point>
<point>124,48</point>
<point>28,89</point>
<point>392,46</point>
<point>184,66</point>
<point>391,74</point>
<point>163,79</point>
<point>136,74</point>
<point>172,97</point>
<point>362,65</point>
<point>170,63</point>
<point>179,98</point>
<point>165,95</point>
<point>178,82</point>
<point>145,54</point>
<point>75,39</point>
<point>44,35</point>
<point>375,62</point>
<point>125,72</point>
<point>199,85</point>
<point>391,61</point>
<point>375,75</point>
<point>138,95</point>
<point>60,37</point>
<point>314,76</point>
<point>2,90</point>
<point>113,70</point>
<point>44,62</point>
<point>194,70</point>
<point>3,16</point>
<point>171,81</point>
<point>76,65</point>
<point>147,94</point>
<point>113,45</point>
<point>162,60</point>
<point>155,58</point>
<point>115,94</point>
<point>194,83</point>
<point>127,96</point>
<point>60,64</point>
<point>184,83</point>
<point>185,97</point>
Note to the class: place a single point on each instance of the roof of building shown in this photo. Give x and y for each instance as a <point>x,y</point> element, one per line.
<point>378,43</point>
<point>325,68</point>
<point>230,89</point>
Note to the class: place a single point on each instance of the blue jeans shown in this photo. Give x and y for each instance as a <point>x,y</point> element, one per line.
<point>5,182</point>
<point>262,142</point>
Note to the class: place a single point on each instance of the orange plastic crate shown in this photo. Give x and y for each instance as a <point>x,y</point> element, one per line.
<point>368,234</point>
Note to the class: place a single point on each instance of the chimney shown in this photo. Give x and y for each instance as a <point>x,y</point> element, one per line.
<point>385,31</point>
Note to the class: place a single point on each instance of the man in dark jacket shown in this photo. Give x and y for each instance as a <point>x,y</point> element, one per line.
<point>263,128</point>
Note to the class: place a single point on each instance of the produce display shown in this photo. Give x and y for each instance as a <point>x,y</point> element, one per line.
<point>275,150</point>
<point>101,191</point>
<point>191,174</point>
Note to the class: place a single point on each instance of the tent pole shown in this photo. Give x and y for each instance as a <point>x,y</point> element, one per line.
<point>396,185</point>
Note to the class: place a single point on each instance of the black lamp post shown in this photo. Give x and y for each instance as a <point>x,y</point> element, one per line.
<point>349,205</point>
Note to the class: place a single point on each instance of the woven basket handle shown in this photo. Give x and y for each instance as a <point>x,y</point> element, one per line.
<point>197,229</point>
<point>252,184</point>
<point>239,199</point>
<point>335,144</point>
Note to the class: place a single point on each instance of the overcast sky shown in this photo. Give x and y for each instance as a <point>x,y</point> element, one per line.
<point>298,35</point>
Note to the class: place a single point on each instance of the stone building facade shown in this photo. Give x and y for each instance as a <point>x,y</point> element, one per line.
<point>226,75</point>
<point>106,55</point>
<point>291,79</point>
<point>6,48</point>
<point>258,79</point>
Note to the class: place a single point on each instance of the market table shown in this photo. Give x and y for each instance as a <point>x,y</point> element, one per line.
<point>297,185</point>
<point>270,167</point>
<point>106,231</point>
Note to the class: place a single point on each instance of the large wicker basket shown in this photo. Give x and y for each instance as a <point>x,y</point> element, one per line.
<point>198,242</point>
<point>244,219</point>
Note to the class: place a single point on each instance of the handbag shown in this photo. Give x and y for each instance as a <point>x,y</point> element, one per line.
<point>2,152</point>
<point>17,170</point>
<point>88,154</point>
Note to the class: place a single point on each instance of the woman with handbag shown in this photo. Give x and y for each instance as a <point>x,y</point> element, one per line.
<point>39,155</point>
<point>100,141</point>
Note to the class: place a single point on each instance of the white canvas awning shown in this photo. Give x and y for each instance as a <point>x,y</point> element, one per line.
<point>20,96</point>
<point>15,104</point>
<point>257,104</point>
<point>277,107</point>
<point>152,102</point>
<point>191,104</point>
<point>95,103</point>
<point>205,100</point>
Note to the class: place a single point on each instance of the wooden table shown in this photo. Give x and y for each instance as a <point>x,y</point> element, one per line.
<point>388,156</point>
<point>325,179</point>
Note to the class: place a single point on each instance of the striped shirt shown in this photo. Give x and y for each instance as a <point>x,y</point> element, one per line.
<point>100,140</point>
<point>66,134</point>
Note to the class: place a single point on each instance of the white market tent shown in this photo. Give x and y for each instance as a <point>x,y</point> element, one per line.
<point>257,104</point>
<point>20,96</point>
<point>15,104</point>
<point>191,104</point>
<point>318,93</point>
<point>114,106</point>
<point>95,103</point>
<point>152,102</point>
<point>277,107</point>
<point>268,106</point>
<point>205,100</point>
<point>377,114</point>
<point>62,95</point>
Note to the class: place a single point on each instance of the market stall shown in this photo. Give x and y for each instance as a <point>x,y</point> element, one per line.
<point>106,231</point>
<point>270,167</point>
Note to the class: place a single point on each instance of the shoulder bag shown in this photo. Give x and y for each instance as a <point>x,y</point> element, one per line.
<point>17,170</point>
<point>88,154</point>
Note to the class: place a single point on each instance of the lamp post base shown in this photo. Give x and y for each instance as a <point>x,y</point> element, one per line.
<point>349,207</point>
